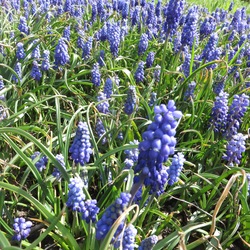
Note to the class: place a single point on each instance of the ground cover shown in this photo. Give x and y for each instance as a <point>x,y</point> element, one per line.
<point>124,125</point>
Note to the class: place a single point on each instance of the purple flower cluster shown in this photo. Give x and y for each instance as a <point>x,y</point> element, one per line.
<point>76,197</point>
<point>86,49</point>
<point>143,44</point>
<point>219,112</point>
<point>175,168</point>
<point>23,27</point>
<point>207,27</point>
<point>211,52</point>
<point>20,54</point>
<point>189,93</point>
<point>130,102</point>
<point>235,148</point>
<point>103,104</point>
<point>76,201</point>
<point>158,143</point>
<point>114,38</point>
<point>108,88</point>
<point>56,173</point>
<point>100,130</point>
<point>126,240</point>
<point>173,15</point>
<point>3,114</point>
<point>150,59</point>
<point>35,71</point>
<point>36,52</point>
<point>21,228</point>
<point>81,148</point>
<point>236,112</point>
<point>2,97</point>
<point>157,73</point>
<point>101,59</point>
<point>45,61</point>
<point>110,215</point>
<point>66,33</point>
<point>153,99</point>
<point>189,32</point>
<point>96,75</point>
<point>18,71</point>
<point>61,53</point>
<point>139,73</point>
<point>41,163</point>
<point>131,155</point>
<point>148,243</point>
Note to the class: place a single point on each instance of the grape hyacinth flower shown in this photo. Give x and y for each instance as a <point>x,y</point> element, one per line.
<point>189,93</point>
<point>100,130</point>
<point>23,27</point>
<point>45,62</point>
<point>175,169</point>
<point>158,143</point>
<point>86,50</point>
<point>248,181</point>
<point>21,228</point>
<point>236,112</point>
<point>96,75</point>
<point>150,59</point>
<point>133,153</point>
<point>126,240</point>
<point>81,148</point>
<point>61,53</point>
<point>66,33</point>
<point>153,99</point>
<point>139,73</point>
<point>20,54</point>
<point>207,27</point>
<point>114,38</point>
<point>90,211</point>
<point>56,173</point>
<point>36,52</point>
<point>148,243</point>
<point>135,19</point>
<point>3,114</point>
<point>173,15</point>
<point>143,44</point>
<point>76,196</point>
<point>211,52</point>
<point>130,102</point>
<point>101,59</point>
<point>157,73</point>
<point>41,163</point>
<point>110,215</point>
<point>35,71</point>
<point>189,32</point>
<point>218,87</point>
<point>2,97</point>
<point>185,67</point>
<point>220,112</point>
<point>103,105</point>
<point>108,88</point>
<point>235,148</point>
<point>18,71</point>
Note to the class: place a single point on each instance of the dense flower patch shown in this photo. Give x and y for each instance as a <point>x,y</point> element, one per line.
<point>124,124</point>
